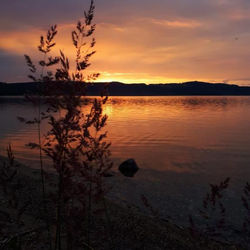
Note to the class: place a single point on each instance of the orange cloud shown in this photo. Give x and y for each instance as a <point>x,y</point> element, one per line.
<point>177,23</point>
<point>19,41</point>
<point>149,50</point>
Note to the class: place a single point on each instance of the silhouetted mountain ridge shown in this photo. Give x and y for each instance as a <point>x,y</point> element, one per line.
<point>139,89</point>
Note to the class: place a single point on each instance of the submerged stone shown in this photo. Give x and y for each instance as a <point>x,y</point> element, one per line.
<point>128,168</point>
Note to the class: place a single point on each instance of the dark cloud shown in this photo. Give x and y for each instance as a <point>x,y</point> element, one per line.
<point>16,13</point>
<point>12,67</point>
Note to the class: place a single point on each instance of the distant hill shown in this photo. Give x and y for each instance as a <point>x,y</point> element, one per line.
<point>139,89</point>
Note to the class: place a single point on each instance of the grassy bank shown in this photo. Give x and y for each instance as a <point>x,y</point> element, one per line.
<point>113,226</point>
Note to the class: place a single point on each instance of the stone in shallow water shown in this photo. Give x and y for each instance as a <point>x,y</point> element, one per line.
<point>128,168</point>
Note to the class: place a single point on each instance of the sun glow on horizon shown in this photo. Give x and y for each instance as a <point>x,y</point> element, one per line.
<point>134,78</point>
<point>147,47</point>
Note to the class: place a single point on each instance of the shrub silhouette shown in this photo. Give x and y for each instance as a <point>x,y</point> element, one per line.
<point>75,141</point>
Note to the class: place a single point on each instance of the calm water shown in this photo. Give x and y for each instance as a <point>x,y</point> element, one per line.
<point>180,143</point>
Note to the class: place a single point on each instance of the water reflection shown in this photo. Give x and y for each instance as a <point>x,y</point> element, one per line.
<point>180,143</point>
<point>186,102</point>
<point>180,134</point>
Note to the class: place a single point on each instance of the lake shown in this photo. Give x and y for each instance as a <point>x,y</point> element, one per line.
<point>181,144</point>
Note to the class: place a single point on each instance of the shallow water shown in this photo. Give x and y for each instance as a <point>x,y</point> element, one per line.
<point>181,144</point>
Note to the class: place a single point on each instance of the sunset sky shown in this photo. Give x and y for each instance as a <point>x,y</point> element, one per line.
<point>149,41</point>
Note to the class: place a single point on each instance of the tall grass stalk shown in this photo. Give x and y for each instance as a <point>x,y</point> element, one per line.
<point>79,158</point>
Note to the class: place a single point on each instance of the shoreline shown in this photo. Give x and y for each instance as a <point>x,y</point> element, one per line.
<point>141,229</point>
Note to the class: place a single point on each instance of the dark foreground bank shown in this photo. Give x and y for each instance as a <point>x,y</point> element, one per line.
<point>115,226</point>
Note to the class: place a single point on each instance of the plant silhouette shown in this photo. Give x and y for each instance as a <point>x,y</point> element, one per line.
<point>75,142</point>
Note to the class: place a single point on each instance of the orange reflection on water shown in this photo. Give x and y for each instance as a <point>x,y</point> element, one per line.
<point>180,134</point>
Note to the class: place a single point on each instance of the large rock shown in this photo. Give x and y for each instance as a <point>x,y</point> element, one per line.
<point>128,168</point>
